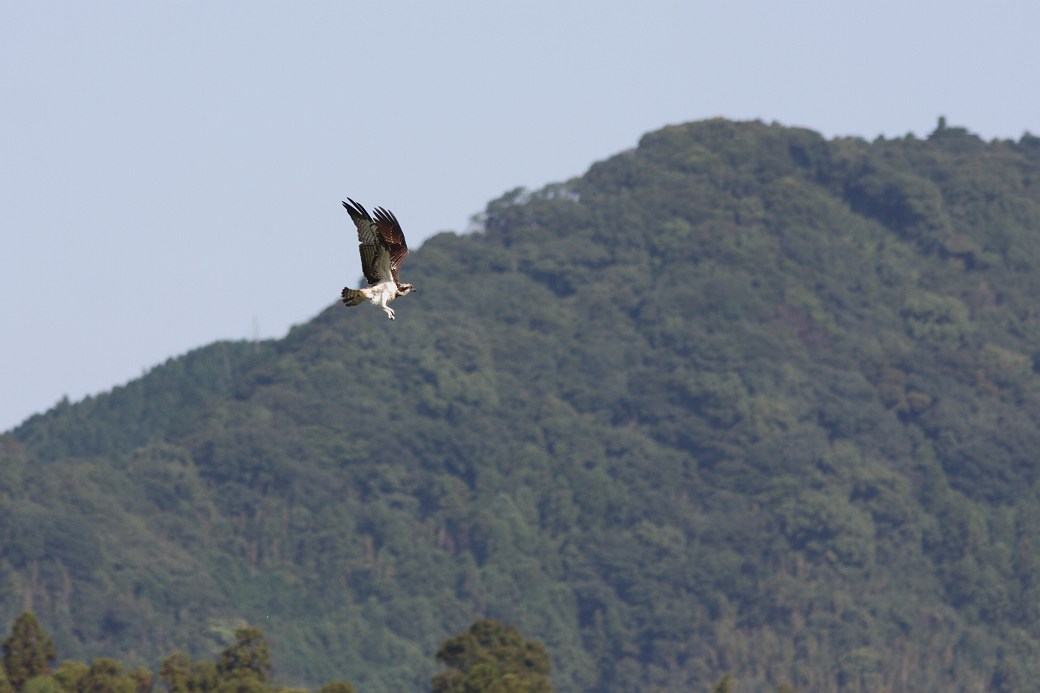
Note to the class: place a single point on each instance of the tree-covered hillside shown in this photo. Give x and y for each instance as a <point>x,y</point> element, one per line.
<point>739,400</point>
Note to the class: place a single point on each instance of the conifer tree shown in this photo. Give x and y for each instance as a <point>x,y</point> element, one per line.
<point>28,651</point>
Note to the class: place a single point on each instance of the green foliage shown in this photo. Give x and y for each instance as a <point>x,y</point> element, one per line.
<point>28,651</point>
<point>43,684</point>
<point>724,685</point>
<point>493,658</point>
<point>243,667</point>
<point>70,673</point>
<point>741,399</point>
<point>249,657</point>
<point>106,675</point>
<point>336,687</point>
<point>175,672</point>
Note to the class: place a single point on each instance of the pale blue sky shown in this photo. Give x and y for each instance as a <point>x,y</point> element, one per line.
<point>171,173</point>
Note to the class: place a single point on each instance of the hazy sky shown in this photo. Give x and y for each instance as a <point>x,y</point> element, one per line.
<point>171,173</point>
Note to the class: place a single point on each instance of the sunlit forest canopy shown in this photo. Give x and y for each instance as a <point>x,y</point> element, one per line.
<point>741,400</point>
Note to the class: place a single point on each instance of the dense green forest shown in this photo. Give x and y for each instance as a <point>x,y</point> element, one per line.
<point>489,657</point>
<point>741,399</point>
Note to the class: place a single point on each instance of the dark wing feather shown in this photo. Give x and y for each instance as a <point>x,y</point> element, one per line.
<point>376,258</point>
<point>357,212</point>
<point>393,239</point>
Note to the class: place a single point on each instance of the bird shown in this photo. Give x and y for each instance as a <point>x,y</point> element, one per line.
<point>383,249</point>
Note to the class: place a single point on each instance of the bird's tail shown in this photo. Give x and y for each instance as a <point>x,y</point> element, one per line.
<point>352,297</point>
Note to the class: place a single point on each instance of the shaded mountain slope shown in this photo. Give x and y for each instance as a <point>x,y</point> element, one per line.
<point>740,399</point>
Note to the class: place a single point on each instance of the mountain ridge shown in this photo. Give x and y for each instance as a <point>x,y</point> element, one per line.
<point>740,399</point>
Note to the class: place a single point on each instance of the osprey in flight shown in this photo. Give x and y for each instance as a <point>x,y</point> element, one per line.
<point>382,246</point>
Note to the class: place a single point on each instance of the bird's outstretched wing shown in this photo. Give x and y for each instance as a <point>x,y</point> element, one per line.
<point>376,262</point>
<point>393,239</point>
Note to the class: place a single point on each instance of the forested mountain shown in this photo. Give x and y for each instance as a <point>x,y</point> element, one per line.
<point>739,400</point>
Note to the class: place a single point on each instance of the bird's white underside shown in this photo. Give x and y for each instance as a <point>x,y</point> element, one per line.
<point>380,294</point>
